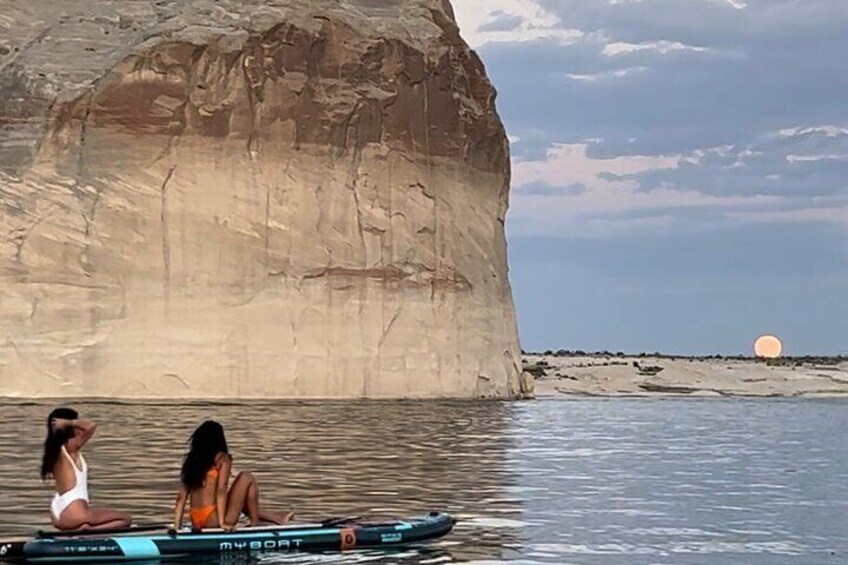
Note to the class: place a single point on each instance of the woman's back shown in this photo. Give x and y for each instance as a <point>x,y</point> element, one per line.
<point>206,495</point>
<point>204,476</point>
<point>69,471</point>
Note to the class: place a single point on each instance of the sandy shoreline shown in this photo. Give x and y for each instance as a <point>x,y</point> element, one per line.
<point>663,376</point>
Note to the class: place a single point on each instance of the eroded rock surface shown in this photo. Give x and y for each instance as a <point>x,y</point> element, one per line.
<point>285,198</point>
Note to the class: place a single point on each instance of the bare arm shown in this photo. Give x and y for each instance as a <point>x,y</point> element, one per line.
<point>179,507</point>
<point>221,494</point>
<point>83,431</point>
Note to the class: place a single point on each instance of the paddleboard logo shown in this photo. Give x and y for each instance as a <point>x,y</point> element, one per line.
<point>348,538</point>
<point>264,545</point>
<point>4,549</point>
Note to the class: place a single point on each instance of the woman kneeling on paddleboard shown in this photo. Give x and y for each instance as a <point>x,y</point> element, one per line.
<point>63,461</point>
<point>204,479</point>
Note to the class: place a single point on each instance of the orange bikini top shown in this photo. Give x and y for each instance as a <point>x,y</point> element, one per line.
<point>212,473</point>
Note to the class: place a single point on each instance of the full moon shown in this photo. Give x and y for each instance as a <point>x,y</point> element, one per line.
<point>768,346</point>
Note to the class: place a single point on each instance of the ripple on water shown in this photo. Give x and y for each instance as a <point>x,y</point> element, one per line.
<point>606,481</point>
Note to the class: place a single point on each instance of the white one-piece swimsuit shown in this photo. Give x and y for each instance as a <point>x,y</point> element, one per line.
<point>79,492</point>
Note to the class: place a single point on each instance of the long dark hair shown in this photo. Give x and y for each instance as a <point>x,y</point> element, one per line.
<point>207,442</point>
<point>56,439</point>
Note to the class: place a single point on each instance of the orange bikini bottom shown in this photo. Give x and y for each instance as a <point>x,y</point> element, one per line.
<point>200,516</point>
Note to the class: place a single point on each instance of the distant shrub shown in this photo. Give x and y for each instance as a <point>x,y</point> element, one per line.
<point>537,371</point>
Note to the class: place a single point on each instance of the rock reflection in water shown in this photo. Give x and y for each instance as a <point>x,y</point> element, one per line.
<point>323,459</point>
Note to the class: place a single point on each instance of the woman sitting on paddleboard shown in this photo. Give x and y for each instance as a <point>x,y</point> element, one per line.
<point>204,480</point>
<point>63,461</point>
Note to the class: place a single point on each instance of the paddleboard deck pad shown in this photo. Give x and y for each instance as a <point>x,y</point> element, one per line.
<point>334,535</point>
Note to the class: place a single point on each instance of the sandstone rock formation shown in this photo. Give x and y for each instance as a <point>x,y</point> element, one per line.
<point>250,199</point>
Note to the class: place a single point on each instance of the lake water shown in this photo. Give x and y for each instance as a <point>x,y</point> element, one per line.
<point>585,481</point>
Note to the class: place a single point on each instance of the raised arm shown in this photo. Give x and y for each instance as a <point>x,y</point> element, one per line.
<point>221,495</point>
<point>179,507</point>
<point>83,431</point>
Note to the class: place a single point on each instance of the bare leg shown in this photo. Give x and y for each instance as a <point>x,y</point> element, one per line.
<point>244,498</point>
<point>79,515</point>
<point>251,507</point>
<point>239,500</point>
<point>105,519</point>
<point>114,525</point>
<point>265,515</point>
<point>275,517</point>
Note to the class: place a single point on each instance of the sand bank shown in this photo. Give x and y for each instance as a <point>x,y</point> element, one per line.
<point>666,376</point>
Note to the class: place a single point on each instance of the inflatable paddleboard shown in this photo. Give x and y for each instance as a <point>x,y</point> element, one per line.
<point>155,542</point>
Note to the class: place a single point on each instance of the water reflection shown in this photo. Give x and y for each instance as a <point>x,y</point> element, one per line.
<point>323,459</point>
<point>627,482</point>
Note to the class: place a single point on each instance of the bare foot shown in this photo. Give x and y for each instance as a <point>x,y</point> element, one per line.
<point>277,518</point>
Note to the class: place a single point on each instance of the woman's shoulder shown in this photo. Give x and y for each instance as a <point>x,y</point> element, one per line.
<point>62,466</point>
<point>65,455</point>
<point>223,458</point>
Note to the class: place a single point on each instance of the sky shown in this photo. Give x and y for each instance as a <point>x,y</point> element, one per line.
<point>680,170</point>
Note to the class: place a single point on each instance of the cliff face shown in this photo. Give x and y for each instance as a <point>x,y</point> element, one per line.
<point>278,198</point>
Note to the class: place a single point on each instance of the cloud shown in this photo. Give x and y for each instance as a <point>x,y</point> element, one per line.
<point>607,75</point>
<point>502,22</point>
<point>799,168</point>
<point>662,47</point>
<point>736,4</point>
<point>814,158</point>
<point>673,193</point>
<point>611,199</point>
<point>510,21</point>
<point>827,131</point>
<point>568,163</point>
<point>737,107</point>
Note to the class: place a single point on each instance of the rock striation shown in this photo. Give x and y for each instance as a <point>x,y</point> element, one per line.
<point>250,199</point>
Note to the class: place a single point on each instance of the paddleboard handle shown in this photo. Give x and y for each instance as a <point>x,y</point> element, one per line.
<point>333,522</point>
